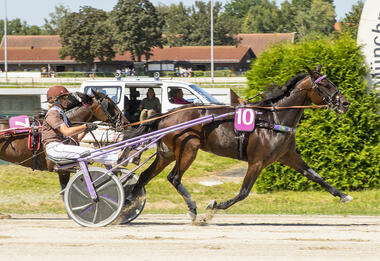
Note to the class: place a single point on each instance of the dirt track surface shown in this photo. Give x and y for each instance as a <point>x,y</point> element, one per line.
<point>173,237</point>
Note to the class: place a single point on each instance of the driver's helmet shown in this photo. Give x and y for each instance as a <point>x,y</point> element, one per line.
<point>55,92</point>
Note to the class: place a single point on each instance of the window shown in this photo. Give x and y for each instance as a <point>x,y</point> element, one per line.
<point>114,92</point>
<point>187,94</point>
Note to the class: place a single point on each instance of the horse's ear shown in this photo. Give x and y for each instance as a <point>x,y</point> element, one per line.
<point>81,95</point>
<point>309,71</point>
<point>318,69</point>
<point>84,97</point>
<point>94,92</point>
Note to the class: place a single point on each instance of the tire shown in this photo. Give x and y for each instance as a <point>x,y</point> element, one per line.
<point>131,210</point>
<point>94,213</point>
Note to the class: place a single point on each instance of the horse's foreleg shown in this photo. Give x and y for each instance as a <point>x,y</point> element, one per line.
<point>185,155</point>
<point>294,160</point>
<point>250,178</point>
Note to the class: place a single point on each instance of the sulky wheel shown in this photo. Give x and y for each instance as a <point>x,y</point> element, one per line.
<point>94,213</point>
<point>132,210</point>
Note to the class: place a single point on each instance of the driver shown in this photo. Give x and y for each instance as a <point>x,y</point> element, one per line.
<point>60,138</point>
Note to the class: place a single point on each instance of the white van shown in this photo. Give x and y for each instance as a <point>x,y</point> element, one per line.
<point>132,90</point>
<point>136,88</point>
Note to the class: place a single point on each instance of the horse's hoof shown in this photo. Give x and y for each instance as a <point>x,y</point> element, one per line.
<point>211,205</point>
<point>5,216</point>
<point>347,198</point>
<point>191,215</point>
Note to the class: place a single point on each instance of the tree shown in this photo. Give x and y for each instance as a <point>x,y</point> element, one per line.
<point>18,27</point>
<point>86,35</point>
<point>137,28</point>
<point>350,22</point>
<point>287,14</point>
<point>239,8</point>
<point>224,28</point>
<point>52,26</point>
<point>308,18</point>
<point>177,26</point>
<point>263,17</point>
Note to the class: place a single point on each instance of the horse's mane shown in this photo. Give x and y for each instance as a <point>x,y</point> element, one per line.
<point>75,103</point>
<point>274,93</point>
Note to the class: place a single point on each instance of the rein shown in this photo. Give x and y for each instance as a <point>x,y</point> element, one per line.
<point>226,106</point>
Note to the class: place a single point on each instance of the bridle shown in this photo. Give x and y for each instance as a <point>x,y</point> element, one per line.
<point>104,105</point>
<point>332,100</point>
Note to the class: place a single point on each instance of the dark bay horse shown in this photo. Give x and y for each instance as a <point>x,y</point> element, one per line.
<point>262,147</point>
<point>81,108</point>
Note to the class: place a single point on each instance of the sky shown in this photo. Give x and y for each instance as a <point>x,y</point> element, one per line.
<point>34,11</point>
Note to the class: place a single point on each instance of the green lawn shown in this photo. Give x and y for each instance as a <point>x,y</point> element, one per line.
<point>25,191</point>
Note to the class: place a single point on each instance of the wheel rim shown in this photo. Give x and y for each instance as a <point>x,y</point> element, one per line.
<point>87,212</point>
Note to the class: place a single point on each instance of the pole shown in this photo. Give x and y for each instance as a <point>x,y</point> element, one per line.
<point>212,41</point>
<point>5,44</point>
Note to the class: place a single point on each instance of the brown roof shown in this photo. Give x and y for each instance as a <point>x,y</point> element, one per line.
<point>195,54</point>
<point>45,48</point>
<point>32,49</point>
<point>259,42</point>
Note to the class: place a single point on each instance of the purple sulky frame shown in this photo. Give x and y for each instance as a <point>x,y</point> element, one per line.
<point>146,140</point>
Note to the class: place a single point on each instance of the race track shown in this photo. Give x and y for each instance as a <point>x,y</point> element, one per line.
<point>173,237</point>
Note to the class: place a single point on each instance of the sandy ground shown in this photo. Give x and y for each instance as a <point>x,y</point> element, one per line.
<point>173,237</point>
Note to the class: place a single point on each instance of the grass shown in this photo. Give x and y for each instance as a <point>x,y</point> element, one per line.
<point>25,191</point>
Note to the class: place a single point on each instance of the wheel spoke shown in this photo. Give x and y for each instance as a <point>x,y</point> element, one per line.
<point>79,191</point>
<point>109,202</point>
<point>80,208</point>
<point>105,186</point>
<point>96,213</point>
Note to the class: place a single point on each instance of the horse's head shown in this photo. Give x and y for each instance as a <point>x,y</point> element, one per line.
<point>97,107</point>
<point>103,108</point>
<point>325,92</point>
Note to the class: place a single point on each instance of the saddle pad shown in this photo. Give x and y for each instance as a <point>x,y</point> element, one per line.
<point>19,122</point>
<point>244,119</point>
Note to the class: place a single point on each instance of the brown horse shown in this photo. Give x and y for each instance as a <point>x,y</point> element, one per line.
<point>261,147</point>
<point>81,108</point>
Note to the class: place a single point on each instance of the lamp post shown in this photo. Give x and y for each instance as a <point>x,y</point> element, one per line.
<point>5,44</point>
<point>212,41</point>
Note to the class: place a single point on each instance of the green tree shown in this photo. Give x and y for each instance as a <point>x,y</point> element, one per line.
<point>52,25</point>
<point>239,8</point>
<point>343,149</point>
<point>308,18</point>
<point>350,22</point>
<point>18,27</point>
<point>263,17</point>
<point>85,36</point>
<point>200,19</point>
<point>191,26</point>
<point>177,26</point>
<point>137,28</point>
<point>287,14</point>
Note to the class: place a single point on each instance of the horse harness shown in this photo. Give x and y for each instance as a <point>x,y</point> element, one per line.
<point>242,136</point>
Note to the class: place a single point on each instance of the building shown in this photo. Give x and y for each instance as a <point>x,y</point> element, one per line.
<point>41,52</point>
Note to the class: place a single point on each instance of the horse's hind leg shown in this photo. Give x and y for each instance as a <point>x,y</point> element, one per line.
<point>250,178</point>
<point>64,178</point>
<point>294,160</point>
<point>185,155</point>
<point>160,162</point>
